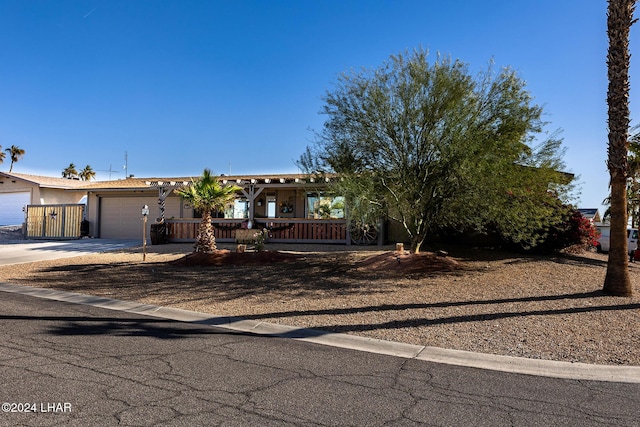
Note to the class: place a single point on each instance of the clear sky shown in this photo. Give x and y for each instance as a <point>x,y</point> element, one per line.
<point>237,86</point>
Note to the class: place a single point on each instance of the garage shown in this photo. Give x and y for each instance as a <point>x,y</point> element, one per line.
<point>11,207</point>
<point>121,218</point>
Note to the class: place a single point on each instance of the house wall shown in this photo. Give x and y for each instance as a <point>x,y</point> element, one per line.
<point>185,210</point>
<point>295,197</point>
<point>285,198</point>
<point>261,206</point>
<point>52,196</point>
<point>8,185</point>
<point>41,196</point>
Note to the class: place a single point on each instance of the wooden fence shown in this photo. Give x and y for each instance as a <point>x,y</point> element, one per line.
<point>280,230</point>
<point>54,221</point>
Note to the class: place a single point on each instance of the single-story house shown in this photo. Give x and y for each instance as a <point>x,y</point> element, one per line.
<point>292,207</point>
<point>17,190</point>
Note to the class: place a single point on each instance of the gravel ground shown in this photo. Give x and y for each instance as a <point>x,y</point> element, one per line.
<point>10,233</point>
<point>492,302</point>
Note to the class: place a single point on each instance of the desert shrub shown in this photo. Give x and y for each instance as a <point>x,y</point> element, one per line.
<point>575,234</point>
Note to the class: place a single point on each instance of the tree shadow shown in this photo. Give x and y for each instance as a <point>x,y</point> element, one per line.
<point>422,322</point>
<point>412,323</point>
<point>121,327</point>
<point>565,259</point>
<point>309,275</point>
<point>483,254</point>
<point>422,306</point>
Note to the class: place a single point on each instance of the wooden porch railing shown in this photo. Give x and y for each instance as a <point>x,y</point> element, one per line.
<point>280,230</point>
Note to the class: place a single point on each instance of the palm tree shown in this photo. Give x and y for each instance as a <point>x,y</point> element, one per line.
<point>15,153</point>
<point>70,172</point>
<point>619,21</point>
<point>2,155</point>
<point>87,174</point>
<point>207,194</point>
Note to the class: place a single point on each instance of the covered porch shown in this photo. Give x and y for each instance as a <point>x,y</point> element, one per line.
<point>291,208</point>
<point>290,230</point>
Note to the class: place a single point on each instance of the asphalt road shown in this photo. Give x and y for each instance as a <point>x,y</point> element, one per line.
<point>21,251</point>
<point>71,364</point>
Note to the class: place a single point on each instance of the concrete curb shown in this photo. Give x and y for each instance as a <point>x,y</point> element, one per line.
<point>546,368</point>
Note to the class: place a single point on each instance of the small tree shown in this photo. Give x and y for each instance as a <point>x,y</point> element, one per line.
<point>70,172</point>
<point>15,153</point>
<point>433,147</point>
<point>207,194</point>
<point>2,155</point>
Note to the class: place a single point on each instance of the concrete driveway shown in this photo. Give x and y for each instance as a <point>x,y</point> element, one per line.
<point>17,252</point>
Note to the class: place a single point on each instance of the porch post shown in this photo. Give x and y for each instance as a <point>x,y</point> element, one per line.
<point>162,195</point>
<point>251,197</point>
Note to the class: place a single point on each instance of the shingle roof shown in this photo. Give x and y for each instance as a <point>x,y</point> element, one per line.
<point>46,181</point>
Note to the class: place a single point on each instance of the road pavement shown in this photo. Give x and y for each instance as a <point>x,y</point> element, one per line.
<point>75,364</point>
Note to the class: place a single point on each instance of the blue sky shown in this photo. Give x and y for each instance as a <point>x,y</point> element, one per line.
<point>237,85</point>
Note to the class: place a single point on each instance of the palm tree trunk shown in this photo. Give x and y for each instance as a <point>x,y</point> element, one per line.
<point>619,21</point>
<point>617,280</point>
<point>206,240</point>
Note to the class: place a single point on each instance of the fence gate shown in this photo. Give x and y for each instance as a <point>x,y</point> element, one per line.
<point>54,221</point>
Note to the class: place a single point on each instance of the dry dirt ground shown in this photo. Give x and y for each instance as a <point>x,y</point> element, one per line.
<point>473,299</point>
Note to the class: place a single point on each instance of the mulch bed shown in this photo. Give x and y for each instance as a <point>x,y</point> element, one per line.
<point>424,262</point>
<point>226,257</point>
<point>389,262</point>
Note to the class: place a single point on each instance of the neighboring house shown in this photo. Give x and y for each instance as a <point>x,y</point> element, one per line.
<point>591,214</point>
<point>18,190</point>
<point>293,207</point>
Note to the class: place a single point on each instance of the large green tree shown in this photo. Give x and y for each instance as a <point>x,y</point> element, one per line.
<point>432,146</point>
<point>619,21</point>
<point>207,194</point>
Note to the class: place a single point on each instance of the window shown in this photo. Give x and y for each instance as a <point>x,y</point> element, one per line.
<point>239,209</point>
<point>320,206</point>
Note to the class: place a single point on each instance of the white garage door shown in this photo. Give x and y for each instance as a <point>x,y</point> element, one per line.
<point>120,217</point>
<point>11,205</point>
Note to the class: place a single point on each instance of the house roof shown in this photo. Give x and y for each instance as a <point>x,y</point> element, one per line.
<point>124,184</point>
<point>154,182</point>
<point>590,213</point>
<point>45,181</point>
